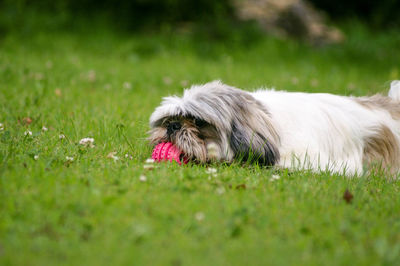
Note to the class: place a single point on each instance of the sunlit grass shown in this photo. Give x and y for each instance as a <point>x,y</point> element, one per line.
<point>62,202</point>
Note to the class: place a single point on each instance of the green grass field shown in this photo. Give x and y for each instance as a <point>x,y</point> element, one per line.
<point>94,210</point>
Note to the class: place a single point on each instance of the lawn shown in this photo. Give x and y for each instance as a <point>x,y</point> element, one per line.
<point>63,203</point>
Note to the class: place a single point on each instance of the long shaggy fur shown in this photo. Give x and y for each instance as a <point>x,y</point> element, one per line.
<point>319,131</point>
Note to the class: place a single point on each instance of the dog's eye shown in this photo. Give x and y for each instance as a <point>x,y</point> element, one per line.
<point>199,122</point>
<point>175,125</point>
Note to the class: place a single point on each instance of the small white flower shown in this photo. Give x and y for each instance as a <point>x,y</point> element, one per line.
<point>1,126</point>
<point>184,83</point>
<point>112,155</point>
<point>167,80</point>
<point>87,142</point>
<point>44,128</point>
<point>142,178</point>
<point>28,133</point>
<point>69,159</point>
<point>61,136</point>
<point>91,75</point>
<point>128,156</point>
<point>38,76</point>
<point>199,216</point>
<point>150,160</point>
<point>220,190</point>
<point>211,170</point>
<point>127,85</point>
<point>49,64</point>
<point>36,157</point>
<point>314,82</point>
<point>275,177</point>
<point>58,92</point>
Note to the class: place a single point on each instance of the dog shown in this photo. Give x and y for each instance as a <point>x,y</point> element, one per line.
<point>295,130</point>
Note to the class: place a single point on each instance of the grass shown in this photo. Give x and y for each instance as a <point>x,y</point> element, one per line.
<point>96,211</point>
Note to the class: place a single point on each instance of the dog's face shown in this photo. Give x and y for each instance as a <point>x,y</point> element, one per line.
<point>192,135</point>
<point>215,122</point>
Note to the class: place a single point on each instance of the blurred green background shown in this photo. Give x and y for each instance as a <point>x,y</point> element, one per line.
<point>76,69</point>
<point>216,17</point>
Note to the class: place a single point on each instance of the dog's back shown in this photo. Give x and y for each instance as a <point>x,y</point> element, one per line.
<point>331,132</point>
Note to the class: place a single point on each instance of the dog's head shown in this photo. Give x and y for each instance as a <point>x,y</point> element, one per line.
<point>216,122</point>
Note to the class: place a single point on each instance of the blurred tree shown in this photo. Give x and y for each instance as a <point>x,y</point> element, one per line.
<point>381,13</point>
<point>133,13</point>
<point>289,18</point>
<point>137,14</point>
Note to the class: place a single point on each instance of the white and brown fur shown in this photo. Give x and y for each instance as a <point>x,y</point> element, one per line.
<point>317,131</point>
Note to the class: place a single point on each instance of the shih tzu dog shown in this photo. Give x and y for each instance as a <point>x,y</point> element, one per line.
<point>346,135</point>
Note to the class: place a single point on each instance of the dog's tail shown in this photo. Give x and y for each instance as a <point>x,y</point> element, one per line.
<point>394,91</point>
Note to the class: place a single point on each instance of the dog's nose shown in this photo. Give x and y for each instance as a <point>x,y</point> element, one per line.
<point>172,127</point>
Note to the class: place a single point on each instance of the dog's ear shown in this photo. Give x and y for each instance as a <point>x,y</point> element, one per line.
<point>157,135</point>
<point>253,136</point>
<point>251,146</point>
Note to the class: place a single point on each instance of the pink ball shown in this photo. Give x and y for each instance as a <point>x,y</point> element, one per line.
<point>166,151</point>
